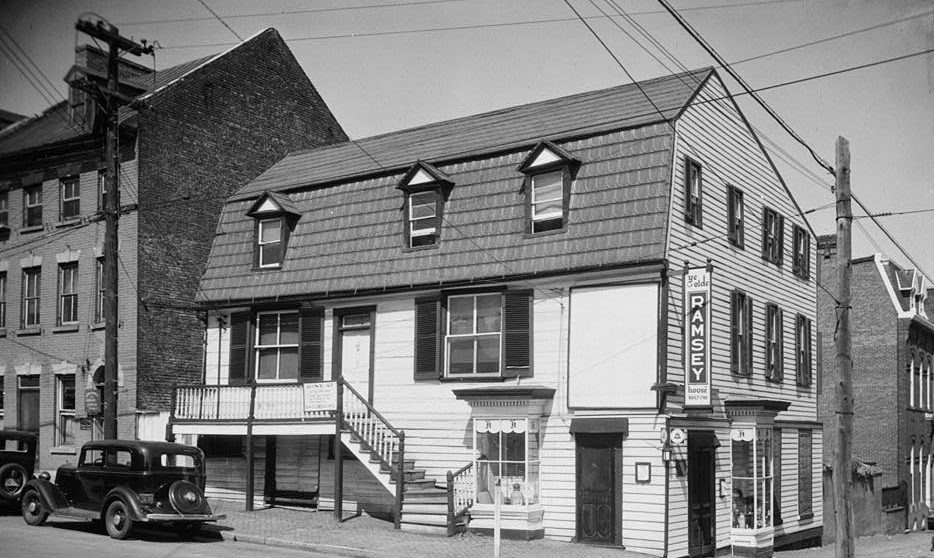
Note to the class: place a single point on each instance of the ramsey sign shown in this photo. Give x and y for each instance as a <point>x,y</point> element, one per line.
<point>697,337</point>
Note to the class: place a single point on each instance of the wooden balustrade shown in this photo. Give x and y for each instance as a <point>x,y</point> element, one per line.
<point>232,403</point>
<point>461,490</point>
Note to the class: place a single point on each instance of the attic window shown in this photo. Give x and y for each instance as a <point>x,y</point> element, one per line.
<point>548,170</point>
<point>693,199</point>
<point>425,189</point>
<point>275,216</point>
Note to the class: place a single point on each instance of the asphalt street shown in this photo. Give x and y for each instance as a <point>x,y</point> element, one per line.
<point>81,539</point>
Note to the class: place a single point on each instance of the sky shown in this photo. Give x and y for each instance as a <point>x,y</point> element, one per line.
<point>384,65</point>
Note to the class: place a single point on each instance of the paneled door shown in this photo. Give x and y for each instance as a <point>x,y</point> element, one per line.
<point>354,348</point>
<point>598,513</point>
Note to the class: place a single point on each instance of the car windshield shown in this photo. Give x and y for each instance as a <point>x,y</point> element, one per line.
<point>186,461</point>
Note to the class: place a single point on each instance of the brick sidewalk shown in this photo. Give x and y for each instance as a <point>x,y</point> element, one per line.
<point>365,537</point>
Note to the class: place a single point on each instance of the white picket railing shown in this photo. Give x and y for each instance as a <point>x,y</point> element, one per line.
<point>232,403</point>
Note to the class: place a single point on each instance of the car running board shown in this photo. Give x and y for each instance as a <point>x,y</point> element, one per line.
<point>75,513</point>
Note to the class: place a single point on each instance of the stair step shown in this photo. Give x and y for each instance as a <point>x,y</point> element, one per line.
<point>410,476</point>
<point>420,492</point>
<point>425,519</point>
<point>409,463</point>
<point>424,508</point>
<point>425,529</point>
<point>416,483</point>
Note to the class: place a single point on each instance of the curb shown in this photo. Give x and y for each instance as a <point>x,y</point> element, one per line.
<point>349,551</point>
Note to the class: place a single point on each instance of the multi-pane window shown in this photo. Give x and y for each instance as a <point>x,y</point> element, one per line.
<point>801,266</point>
<point>70,191</point>
<point>269,242</point>
<point>774,346</point>
<point>4,209</point>
<point>753,477</point>
<point>773,236</point>
<point>508,454</point>
<point>741,333</point>
<point>276,346</point>
<point>68,293</point>
<point>423,218</point>
<point>474,334</point>
<point>32,283</point>
<point>693,186</point>
<point>99,291</point>
<point>735,213</point>
<point>101,190</point>
<point>32,206</point>
<point>803,350</point>
<point>65,428</point>
<point>805,474</point>
<point>547,201</point>
<point>2,300</point>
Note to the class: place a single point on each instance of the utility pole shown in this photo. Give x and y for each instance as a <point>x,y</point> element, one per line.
<point>110,100</point>
<point>842,469</point>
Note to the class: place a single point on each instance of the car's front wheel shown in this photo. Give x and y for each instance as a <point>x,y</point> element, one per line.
<point>117,521</point>
<point>33,513</point>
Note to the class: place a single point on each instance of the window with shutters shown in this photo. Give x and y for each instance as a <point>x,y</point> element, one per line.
<point>549,171</point>
<point>774,347</point>
<point>803,350</point>
<point>741,333</point>
<point>773,236</point>
<point>32,206</point>
<point>69,198</point>
<point>735,213</point>
<point>474,334</point>
<point>801,264</point>
<point>693,192</point>
<point>805,474</point>
<point>276,346</point>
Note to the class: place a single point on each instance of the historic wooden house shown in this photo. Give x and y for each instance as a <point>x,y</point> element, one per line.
<point>601,304</point>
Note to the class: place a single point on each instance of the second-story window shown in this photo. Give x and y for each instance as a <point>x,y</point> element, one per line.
<point>774,345</point>
<point>735,214</point>
<point>101,190</point>
<point>773,236</point>
<point>70,195</point>
<point>423,218</point>
<point>276,346</point>
<point>740,333</point>
<point>474,334</point>
<point>32,284</point>
<point>4,210</point>
<point>803,350</point>
<point>547,203</point>
<point>801,265</point>
<point>269,242</point>
<point>68,293</point>
<point>99,291</point>
<point>2,300</point>
<point>693,192</point>
<point>32,206</point>
<point>275,216</point>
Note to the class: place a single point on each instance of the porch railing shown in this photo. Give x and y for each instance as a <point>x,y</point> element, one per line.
<point>461,492</point>
<point>232,403</point>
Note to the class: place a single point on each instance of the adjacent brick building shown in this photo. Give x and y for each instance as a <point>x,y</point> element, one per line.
<point>198,131</point>
<point>893,344</point>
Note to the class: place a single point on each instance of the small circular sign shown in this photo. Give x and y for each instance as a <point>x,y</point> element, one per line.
<point>92,402</point>
<point>678,436</point>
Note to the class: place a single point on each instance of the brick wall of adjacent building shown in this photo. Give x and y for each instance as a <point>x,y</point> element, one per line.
<point>876,378</point>
<point>204,138</point>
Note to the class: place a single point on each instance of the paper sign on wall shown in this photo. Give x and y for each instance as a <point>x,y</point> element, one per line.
<point>697,337</point>
<point>320,396</point>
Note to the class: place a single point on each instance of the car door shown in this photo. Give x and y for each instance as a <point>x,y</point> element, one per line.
<point>89,479</point>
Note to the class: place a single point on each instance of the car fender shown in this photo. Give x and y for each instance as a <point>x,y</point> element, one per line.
<point>50,494</point>
<point>129,497</point>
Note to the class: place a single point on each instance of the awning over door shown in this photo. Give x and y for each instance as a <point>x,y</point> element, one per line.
<point>600,425</point>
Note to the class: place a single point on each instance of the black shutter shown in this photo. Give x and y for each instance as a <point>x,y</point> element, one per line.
<point>777,476</point>
<point>765,234</point>
<point>781,239</point>
<point>239,348</point>
<point>795,250</point>
<point>734,332</point>
<point>406,224</point>
<point>780,346</point>
<point>731,214</point>
<point>699,207</point>
<point>311,330</point>
<point>427,336</point>
<point>517,334</point>
<point>748,327</point>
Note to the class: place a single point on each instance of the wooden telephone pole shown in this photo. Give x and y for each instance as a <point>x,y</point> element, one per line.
<point>110,100</point>
<point>844,361</point>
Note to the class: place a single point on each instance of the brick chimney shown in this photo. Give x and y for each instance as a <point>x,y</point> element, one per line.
<point>91,64</point>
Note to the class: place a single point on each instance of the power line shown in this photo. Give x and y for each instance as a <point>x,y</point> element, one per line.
<point>894,213</point>
<point>224,23</point>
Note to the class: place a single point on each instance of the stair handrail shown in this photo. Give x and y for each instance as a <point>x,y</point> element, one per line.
<point>456,512</point>
<point>383,452</point>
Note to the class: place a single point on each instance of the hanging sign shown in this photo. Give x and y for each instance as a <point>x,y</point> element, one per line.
<point>697,337</point>
<point>92,402</point>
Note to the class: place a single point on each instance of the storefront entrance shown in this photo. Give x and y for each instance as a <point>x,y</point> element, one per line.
<point>598,496</point>
<point>701,507</point>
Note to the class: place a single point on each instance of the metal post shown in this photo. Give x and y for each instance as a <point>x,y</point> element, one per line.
<point>497,516</point>
<point>339,453</point>
<point>844,388</point>
<point>450,479</point>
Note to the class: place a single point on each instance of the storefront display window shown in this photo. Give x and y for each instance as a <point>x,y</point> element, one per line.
<point>508,451</point>
<point>752,477</point>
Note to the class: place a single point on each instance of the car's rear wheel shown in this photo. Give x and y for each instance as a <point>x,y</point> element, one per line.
<point>117,520</point>
<point>33,512</point>
<point>12,480</point>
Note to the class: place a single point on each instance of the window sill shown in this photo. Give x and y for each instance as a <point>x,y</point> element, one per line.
<point>806,517</point>
<point>268,268</point>
<point>28,331</point>
<point>97,325</point>
<point>420,248</point>
<point>65,328</point>
<point>62,450</point>
<point>562,230</point>
<point>32,229</point>
<point>458,379</point>
<point>68,222</point>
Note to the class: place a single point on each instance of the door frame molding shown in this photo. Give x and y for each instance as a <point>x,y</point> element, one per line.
<point>616,441</point>
<point>339,313</point>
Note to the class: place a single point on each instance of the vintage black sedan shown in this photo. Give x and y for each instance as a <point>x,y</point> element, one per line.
<point>17,462</point>
<point>122,483</point>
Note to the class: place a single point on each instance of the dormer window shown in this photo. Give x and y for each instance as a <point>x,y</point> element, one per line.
<point>548,170</point>
<point>425,188</point>
<point>275,216</point>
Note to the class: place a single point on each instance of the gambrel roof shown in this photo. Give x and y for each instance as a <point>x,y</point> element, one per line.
<point>350,237</point>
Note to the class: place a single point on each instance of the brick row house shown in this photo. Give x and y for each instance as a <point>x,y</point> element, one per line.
<point>602,304</point>
<point>893,379</point>
<point>199,130</point>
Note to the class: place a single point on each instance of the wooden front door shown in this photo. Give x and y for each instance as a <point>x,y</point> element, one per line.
<point>354,348</point>
<point>27,404</point>
<point>701,507</point>
<point>598,507</point>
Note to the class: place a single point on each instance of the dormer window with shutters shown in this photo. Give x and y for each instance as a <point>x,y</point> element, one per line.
<point>549,171</point>
<point>425,188</point>
<point>275,216</point>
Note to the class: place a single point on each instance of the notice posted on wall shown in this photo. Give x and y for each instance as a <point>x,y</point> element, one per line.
<point>320,396</point>
<point>697,337</point>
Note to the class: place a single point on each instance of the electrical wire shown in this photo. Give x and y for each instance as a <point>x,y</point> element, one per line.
<point>224,23</point>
